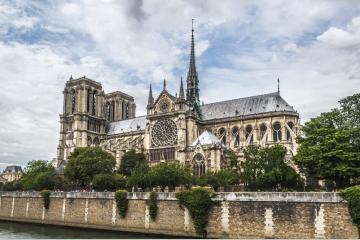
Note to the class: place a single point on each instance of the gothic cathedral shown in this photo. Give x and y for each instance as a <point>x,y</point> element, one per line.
<point>176,128</point>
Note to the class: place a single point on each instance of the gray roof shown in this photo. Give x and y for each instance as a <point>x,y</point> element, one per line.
<point>13,168</point>
<point>206,138</point>
<point>266,103</point>
<point>128,125</point>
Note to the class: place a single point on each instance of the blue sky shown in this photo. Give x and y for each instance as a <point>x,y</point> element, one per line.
<point>242,47</point>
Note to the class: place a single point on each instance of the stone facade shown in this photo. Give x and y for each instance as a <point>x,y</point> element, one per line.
<point>235,215</point>
<point>175,128</point>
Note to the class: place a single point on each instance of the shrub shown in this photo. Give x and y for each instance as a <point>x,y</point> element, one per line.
<point>153,205</point>
<point>121,202</point>
<point>45,194</point>
<point>198,202</point>
<point>352,196</point>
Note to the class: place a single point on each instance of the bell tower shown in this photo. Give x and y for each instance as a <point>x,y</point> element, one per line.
<point>83,120</point>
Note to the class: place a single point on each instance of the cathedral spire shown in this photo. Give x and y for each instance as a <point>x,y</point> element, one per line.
<point>150,99</point>
<point>278,85</point>
<point>181,92</point>
<point>192,91</point>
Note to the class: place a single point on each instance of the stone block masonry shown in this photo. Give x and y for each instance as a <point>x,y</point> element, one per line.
<point>234,215</point>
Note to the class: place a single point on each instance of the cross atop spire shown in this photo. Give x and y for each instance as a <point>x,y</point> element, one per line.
<point>164,83</point>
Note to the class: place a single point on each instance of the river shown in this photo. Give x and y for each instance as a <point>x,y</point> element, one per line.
<point>13,230</point>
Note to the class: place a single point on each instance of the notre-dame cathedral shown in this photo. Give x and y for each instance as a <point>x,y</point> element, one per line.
<point>175,128</point>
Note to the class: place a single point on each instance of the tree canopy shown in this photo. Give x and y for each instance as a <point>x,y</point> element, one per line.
<point>264,168</point>
<point>330,145</point>
<point>130,160</point>
<point>84,163</point>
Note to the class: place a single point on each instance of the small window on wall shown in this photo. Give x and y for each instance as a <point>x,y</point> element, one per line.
<point>249,134</point>
<point>288,134</point>
<point>222,135</point>
<point>88,105</point>
<point>277,132</point>
<point>236,136</point>
<point>263,130</point>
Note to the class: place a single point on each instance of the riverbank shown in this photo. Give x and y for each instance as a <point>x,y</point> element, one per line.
<point>235,215</point>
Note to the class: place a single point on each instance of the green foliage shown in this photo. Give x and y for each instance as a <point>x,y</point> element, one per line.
<point>198,202</point>
<point>45,194</point>
<point>265,169</point>
<point>84,163</point>
<point>352,196</point>
<point>163,175</point>
<point>33,171</point>
<point>141,176</point>
<point>121,202</point>
<point>153,208</point>
<point>220,178</point>
<point>130,160</point>
<point>109,182</point>
<point>232,158</point>
<point>330,146</point>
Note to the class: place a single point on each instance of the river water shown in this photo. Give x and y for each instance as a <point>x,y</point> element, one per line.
<point>12,230</point>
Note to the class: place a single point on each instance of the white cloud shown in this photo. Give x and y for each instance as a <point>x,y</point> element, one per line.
<point>241,48</point>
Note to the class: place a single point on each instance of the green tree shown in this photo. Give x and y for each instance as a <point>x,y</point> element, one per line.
<point>265,169</point>
<point>170,175</point>
<point>141,176</point>
<point>84,163</point>
<point>221,178</point>
<point>33,170</point>
<point>330,145</point>
<point>109,182</point>
<point>130,160</point>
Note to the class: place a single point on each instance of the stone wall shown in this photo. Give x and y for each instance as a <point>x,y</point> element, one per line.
<point>235,215</point>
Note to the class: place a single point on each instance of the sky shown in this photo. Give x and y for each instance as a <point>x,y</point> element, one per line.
<point>242,47</point>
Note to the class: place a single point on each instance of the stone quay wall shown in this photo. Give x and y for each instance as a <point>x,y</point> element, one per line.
<point>234,215</point>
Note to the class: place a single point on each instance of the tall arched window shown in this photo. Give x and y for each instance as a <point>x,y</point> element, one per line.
<point>88,102</point>
<point>236,136</point>
<point>222,135</point>
<point>123,110</point>
<point>277,132</point>
<point>288,134</point>
<point>127,111</point>
<point>89,141</point>
<point>108,113</point>
<point>94,103</point>
<point>73,100</point>
<point>263,130</point>
<point>199,165</point>
<point>249,134</point>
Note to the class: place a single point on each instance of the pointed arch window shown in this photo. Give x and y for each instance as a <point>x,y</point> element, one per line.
<point>263,129</point>
<point>277,132</point>
<point>222,135</point>
<point>199,165</point>
<point>288,134</point>
<point>236,136</point>
<point>249,134</point>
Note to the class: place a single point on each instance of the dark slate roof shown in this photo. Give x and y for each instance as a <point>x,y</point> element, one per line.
<point>128,125</point>
<point>266,103</point>
<point>13,168</point>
